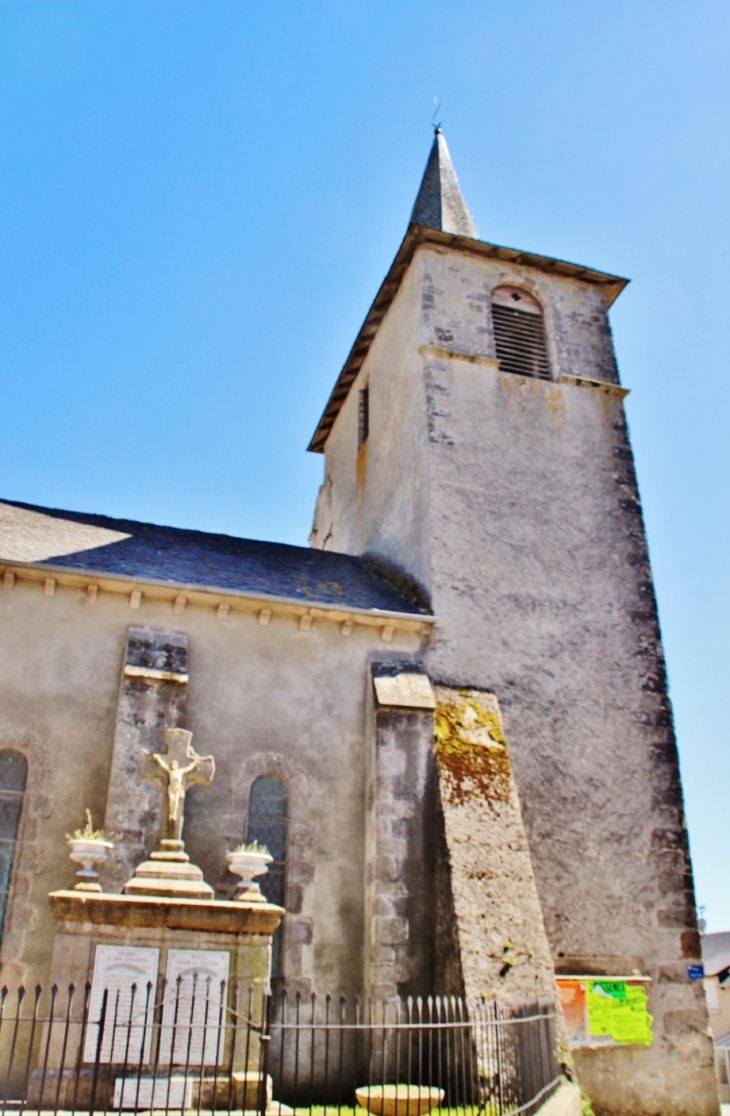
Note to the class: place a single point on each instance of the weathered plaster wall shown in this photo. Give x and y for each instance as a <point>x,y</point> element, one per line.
<point>376,500</point>
<point>543,593</point>
<point>260,698</point>
<point>540,580</point>
<point>542,587</point>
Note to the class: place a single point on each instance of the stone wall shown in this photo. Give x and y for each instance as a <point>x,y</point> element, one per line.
<point>368,501</point>
<point>401,853</point>
<point>542,588</point>
<point>152,698</point>
<point>451,895</point>
<point>260,697</point>
<point>503,949</point>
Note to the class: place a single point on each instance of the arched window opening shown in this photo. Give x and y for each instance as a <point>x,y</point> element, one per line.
<point>519,333</point>
<point>268,823</point>
<point>13,774</point>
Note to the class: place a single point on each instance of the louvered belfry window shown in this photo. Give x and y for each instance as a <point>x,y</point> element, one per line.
<point>519,333</point>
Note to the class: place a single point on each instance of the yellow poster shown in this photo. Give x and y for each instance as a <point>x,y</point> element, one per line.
<point>618,1009</point>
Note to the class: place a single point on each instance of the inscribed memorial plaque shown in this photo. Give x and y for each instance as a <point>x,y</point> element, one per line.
<point>128,974</point>
<point>193,1015</point>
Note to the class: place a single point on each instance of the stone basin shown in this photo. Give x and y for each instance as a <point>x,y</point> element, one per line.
<point>399,1100</point>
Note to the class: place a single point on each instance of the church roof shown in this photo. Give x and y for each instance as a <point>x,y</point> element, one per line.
<point>102,545</point>
<point>440,202</point>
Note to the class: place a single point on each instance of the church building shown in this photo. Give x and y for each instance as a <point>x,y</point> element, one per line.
<point>447,718</point>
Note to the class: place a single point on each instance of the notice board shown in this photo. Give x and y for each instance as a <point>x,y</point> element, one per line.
<point>606,1011</point>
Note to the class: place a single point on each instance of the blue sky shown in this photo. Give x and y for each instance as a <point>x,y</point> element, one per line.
<point>199,199</point>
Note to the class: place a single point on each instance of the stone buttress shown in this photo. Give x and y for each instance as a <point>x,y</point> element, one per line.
<point>451,892</point>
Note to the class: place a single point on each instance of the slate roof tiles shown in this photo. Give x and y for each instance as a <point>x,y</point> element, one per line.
<point>104,545</point>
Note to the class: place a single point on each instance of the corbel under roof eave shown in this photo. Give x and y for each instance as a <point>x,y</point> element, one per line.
<point>211,595</point>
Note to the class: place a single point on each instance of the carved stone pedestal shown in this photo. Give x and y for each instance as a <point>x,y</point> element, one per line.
<point>237,935</point>
<point>169,873</point>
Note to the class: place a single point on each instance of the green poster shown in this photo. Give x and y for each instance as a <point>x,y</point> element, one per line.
<point>618,1009</point>
<point>614,988</point>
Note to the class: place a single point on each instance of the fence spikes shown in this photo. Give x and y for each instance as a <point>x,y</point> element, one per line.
<point>206,1046</point>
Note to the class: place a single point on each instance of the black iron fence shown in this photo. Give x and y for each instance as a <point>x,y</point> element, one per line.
<point>199,1046</point>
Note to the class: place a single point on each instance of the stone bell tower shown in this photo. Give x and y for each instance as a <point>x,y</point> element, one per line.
<point>476,443</point>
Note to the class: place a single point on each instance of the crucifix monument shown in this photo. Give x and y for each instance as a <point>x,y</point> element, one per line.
<point>169,872</point>
<point>175,771</point>
<point>167,923</point>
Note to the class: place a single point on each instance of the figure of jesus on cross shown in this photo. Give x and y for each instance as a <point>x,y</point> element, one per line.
<point>175,771</point>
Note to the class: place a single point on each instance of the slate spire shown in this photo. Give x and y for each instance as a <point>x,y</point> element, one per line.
<point>440,202</point>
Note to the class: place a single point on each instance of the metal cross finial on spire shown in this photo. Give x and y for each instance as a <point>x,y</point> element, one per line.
<point>436,124</point>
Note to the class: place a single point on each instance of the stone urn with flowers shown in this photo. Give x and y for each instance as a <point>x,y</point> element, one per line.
<point>90,848</point>
<point>248,862</point>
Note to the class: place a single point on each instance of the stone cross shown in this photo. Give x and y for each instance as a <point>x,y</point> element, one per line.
<point>175,770</point>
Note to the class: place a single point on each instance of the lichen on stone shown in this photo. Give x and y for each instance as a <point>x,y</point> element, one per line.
<point>399,579</point>
<point>471,748</point>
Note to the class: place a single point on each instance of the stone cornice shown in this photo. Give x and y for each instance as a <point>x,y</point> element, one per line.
<point>600,385</point>
<point>225,600</point>
<point>440,353</point>
<point>212,916</point>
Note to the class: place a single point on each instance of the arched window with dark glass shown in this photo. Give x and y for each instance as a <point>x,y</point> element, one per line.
<point>268,823</point>
<point>519,333</point>
<point>13,774</point>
